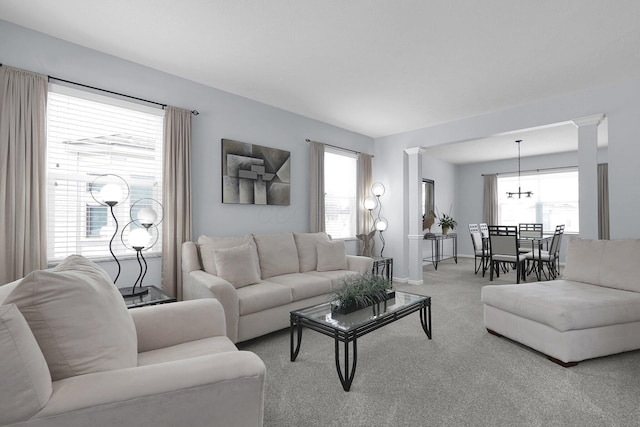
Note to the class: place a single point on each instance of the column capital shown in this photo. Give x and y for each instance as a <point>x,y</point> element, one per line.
<point>595,119</point>
<point>414,150</point>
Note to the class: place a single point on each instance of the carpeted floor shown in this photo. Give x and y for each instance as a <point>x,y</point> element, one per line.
<point>462,377</point>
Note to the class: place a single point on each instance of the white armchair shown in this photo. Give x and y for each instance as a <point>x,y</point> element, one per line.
<point>187,373</point>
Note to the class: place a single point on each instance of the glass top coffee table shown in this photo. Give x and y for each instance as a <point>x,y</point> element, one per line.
<point>347,328</point>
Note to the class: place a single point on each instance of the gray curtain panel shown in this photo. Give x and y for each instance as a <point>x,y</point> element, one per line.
<point>316,187</point>
<point>23,237</point>
<point>365,180</point>
<point>490,210</point>
<point>603,201</point>
<point>177,223</point>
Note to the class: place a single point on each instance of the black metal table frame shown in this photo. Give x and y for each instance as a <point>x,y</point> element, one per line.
<point>437,247</point>
<point>351,336</point>
<point>383,266</point>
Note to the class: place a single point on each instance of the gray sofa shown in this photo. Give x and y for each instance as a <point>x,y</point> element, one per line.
<point>73,355</point>
<point>260,278</point>
<point>593,311</point>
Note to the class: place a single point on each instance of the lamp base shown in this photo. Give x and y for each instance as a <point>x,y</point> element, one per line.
<point>133,291</point>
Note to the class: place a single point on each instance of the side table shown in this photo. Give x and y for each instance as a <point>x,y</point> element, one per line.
<point>383,266</point>
<point>153,297</point>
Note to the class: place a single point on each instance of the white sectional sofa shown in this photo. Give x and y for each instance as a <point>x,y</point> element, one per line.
<point>593,311</point>
<point>72,355</point>
<point>260,278</point>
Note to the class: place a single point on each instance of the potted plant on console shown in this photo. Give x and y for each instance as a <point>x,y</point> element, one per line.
<point>447,223</point>
<point>360,291</point>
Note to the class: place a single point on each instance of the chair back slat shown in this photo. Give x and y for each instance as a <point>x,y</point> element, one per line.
<point>484,230</point>
<point>557,240</point>
<point>530,230</point>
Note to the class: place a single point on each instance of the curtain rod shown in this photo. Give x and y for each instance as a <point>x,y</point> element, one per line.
<point>531,170</point>
<point>194,112</point>
<point>335,146</point>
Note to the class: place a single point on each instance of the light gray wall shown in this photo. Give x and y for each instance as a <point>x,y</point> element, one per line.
<point>222,115</point>
<point>619,102</point>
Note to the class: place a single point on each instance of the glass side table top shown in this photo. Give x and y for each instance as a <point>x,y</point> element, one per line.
<point>324,314</point>
<point>154,296</point>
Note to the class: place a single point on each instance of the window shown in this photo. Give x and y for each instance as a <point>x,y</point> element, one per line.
<point>89,135</point>
<point>340,187</point>
<point>554,200</point>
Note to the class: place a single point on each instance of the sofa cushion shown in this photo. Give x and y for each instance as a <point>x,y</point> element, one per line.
<point>620,266</point>
<point>209,244</point>
<point>25,385</point>
<point>565,305</point>
<point>304,285</point>
<point>261,296</point>
<point>331,255</point>
<point>277,253</point>
<point>335,276</point>
<point>237,265</point>
<point>583,260</point>
<point>78,317</point>
<point>307,251</point>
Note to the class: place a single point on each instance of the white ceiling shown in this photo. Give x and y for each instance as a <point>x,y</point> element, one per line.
<point>377,67</point>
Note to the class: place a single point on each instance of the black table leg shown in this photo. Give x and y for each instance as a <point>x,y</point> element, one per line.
<point>295,326</point>
<point>349,369</point>
<point>425,319</point>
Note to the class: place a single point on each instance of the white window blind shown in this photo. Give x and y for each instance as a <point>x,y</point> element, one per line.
<point>340,186</point>
<point>89,135</point>
<point>554,201</point>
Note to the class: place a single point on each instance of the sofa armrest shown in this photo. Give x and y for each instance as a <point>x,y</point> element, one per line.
<point>362,264</point>
<point>164,325</point>
<point>200,284</point>
<point>225,387</point>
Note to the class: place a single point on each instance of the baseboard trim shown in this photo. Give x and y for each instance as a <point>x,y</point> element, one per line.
<point>415,282</point>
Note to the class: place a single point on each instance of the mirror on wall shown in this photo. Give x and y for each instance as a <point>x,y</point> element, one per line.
<point>428,203</point>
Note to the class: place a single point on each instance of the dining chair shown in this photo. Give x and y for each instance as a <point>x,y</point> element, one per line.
<point>528,231</point>
<point>549,258</point>
<point>479,249</point>
<point>503,250</point>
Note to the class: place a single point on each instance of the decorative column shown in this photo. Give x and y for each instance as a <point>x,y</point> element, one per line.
<point>588,174</point>
<point>413,218</point>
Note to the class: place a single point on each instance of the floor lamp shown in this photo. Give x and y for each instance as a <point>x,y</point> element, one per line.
<point>380,223</point>
<point>110,194</point>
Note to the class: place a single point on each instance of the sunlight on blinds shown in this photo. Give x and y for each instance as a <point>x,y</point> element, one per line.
<point>89,135</point>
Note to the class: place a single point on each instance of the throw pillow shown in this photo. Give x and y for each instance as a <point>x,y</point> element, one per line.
<point>209,244</point>
<point>331,255</point>
<point>237,265</point>
<point>26,383</point>
<point>78,317</point>
<point>278,254</point>
<point>307,251</point>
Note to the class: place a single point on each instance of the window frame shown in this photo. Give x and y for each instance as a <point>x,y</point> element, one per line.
<point>353,200</point>
<point>69,183</point>
<point>545,209</point>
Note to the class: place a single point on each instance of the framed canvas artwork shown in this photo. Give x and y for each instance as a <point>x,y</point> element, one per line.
<point>255,175</point>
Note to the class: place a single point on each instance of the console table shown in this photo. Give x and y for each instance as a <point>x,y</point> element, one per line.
<point>437,249</point>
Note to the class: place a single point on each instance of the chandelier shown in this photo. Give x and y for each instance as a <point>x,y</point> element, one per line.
<point>520,193</point>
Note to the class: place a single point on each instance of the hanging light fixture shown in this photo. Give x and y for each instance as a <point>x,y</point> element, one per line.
<point>520,193</point>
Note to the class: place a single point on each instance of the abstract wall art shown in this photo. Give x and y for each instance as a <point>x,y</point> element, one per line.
<point>255,175</point>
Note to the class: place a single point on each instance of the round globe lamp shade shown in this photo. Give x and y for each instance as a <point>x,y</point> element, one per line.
<point>381,224</point>
<point>139,238</point>
<point>370,203</point>
<point>377,189</point>
<point>111,194</point>
<point>146,217</point>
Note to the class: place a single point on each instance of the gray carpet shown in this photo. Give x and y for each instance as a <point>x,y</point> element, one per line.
<point>462,377</point>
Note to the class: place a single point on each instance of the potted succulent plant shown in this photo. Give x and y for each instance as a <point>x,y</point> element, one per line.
<point>359,291</point>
